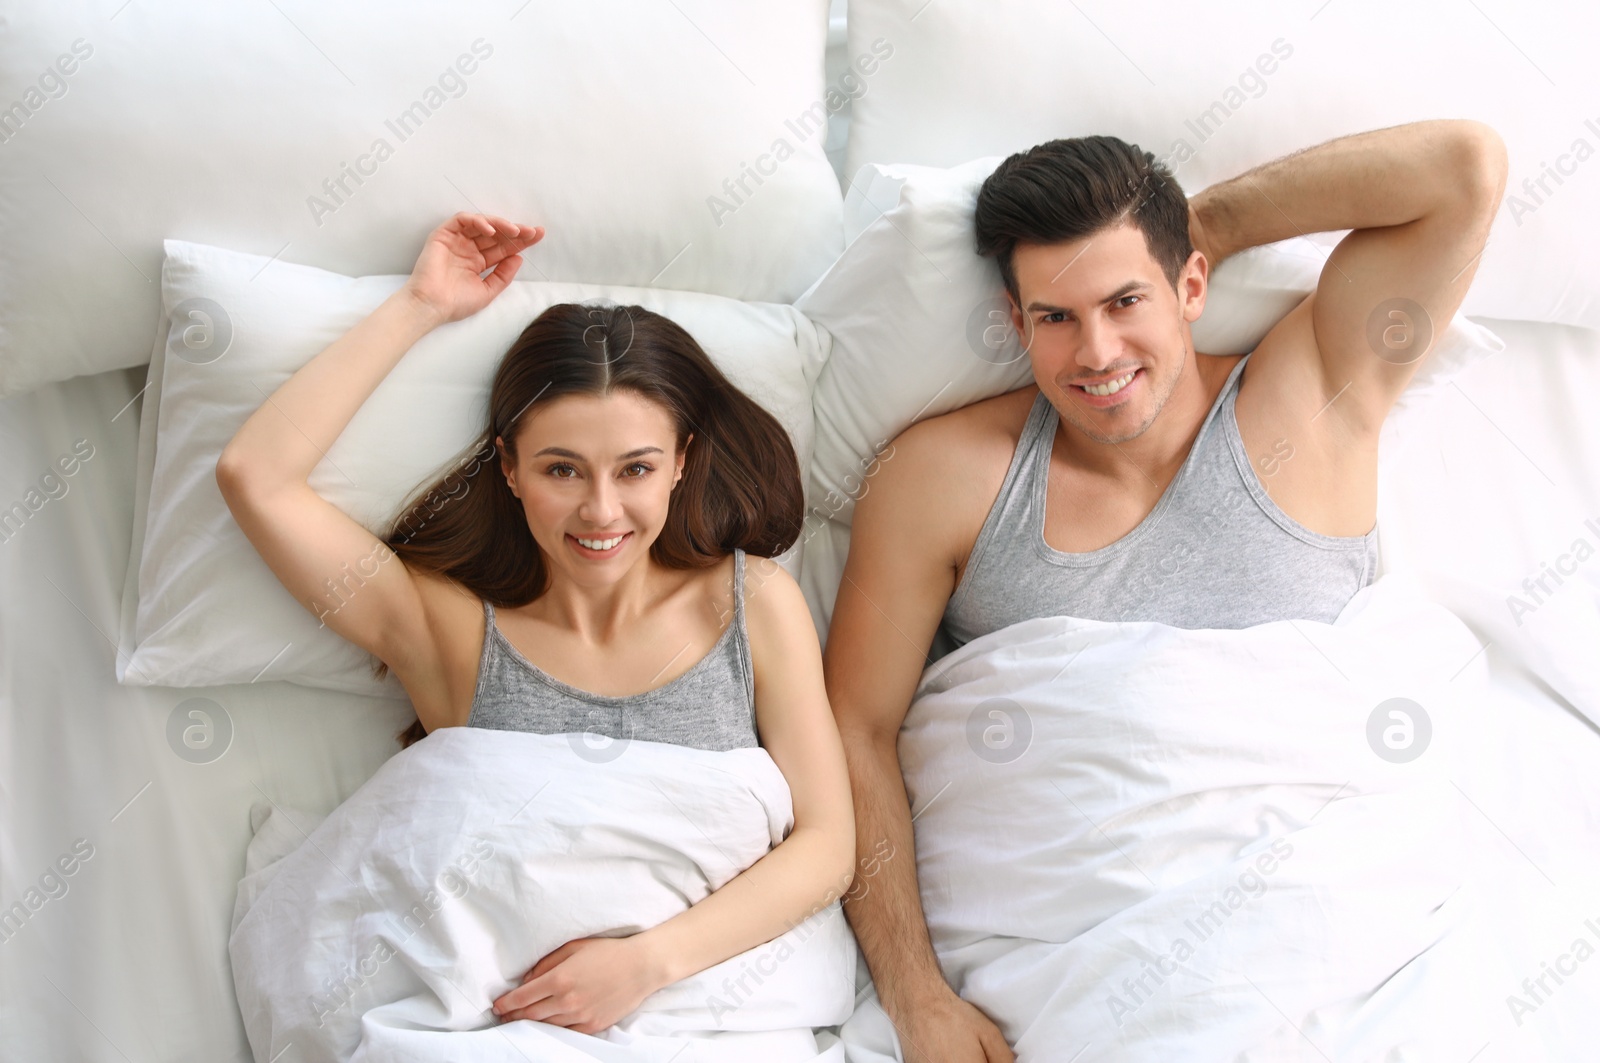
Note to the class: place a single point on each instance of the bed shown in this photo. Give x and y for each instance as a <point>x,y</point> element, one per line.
<point>147,791</point>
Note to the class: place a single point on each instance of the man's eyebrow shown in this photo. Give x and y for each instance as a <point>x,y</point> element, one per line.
<point>562,452</point>
<point>1127,288</point>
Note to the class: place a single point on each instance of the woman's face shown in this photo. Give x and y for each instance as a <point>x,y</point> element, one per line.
<point>594,474</point>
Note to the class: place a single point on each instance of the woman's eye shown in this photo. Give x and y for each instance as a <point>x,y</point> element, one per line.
<point>562,471</point>
<point>636,470</point>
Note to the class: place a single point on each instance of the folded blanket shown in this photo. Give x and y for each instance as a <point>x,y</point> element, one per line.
<point>387,934</point>
<point>1137,842</point>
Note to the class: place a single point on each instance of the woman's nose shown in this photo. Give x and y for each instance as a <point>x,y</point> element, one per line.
<point>602,504</point>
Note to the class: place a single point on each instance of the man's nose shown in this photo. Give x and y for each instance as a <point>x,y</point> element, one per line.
<point>1098,346</point>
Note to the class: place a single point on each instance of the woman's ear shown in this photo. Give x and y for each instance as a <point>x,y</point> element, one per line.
<point>683,456</point>
<point>507,469</point>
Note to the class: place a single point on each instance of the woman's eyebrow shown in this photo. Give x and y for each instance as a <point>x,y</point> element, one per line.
<point>562,452</point>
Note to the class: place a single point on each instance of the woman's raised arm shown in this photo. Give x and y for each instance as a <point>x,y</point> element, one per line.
<point>263,470</point>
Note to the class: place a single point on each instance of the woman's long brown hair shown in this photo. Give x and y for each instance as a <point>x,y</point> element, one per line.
<point>741,480</point>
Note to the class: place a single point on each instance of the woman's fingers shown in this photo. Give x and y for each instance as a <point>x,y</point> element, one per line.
<point>488,229</point>
<point>541,1007</point>
<point>516,238</point>
<point>487,242</point>
<point>538,1014</point>
<point>502,226</point>
<point>512,233</point>
<point>507,239</point>
<point>553,959</point>
<point>503,274</point>
<point>476,226</point>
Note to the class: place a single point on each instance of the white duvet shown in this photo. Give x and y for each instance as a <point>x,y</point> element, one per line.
<point>386,935</point>
<point>1136,842</point>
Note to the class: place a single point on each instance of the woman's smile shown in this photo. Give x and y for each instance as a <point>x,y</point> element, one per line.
<point>598,547</point>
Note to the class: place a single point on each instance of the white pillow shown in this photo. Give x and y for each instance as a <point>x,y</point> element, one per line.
<point>615,125</point>
<point>991,77</point>
<point>919,329</point>
<point>201,607</point>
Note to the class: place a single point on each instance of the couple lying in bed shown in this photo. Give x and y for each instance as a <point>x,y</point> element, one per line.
<point>610,572</point>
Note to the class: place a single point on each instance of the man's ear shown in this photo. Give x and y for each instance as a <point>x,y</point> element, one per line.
<point>1021,323</point>
<point>1194,283</point>
<point>507,469</point>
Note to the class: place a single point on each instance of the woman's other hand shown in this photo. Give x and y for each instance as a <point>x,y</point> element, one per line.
<point>447,277</point>
<point>586,985</point>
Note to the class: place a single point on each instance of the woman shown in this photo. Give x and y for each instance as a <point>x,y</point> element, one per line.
<point>591,580</point>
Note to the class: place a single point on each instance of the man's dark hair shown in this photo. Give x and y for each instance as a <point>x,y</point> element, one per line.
<point>1068,189</point>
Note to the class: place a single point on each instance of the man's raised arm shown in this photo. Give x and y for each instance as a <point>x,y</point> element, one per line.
<point>1419,199</point>
<point>899,577</point>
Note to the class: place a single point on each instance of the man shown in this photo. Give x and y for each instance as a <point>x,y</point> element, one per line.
<point>1137,479</point>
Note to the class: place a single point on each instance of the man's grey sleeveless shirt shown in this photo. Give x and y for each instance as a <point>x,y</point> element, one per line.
<point>1215,552</point>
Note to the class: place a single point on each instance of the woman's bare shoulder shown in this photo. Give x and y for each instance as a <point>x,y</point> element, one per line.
<point>777,616</point>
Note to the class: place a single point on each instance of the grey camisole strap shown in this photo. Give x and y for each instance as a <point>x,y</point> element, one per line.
<point>1215,552</point>
<point>711,706</point>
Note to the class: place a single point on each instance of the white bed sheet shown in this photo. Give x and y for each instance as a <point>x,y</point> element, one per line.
<point>131,963</point>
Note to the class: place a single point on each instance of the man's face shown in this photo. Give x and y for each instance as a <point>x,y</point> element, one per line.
<point>1105,331</point>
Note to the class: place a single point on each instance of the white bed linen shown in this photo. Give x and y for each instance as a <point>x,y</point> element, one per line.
<point>131,964</point>
<point>664,145</point>
<point>1491,481</point>
<point>475,853</point>
<point>1204,853</point>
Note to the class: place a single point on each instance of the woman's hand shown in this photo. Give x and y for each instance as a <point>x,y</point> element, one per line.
<point>446,278</point>
<point>585,985</point>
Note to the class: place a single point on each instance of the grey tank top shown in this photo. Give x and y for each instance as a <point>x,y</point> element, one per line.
<point>711,706</point>
<point>1215,552</point>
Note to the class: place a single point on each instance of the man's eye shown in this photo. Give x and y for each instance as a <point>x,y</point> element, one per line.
<point>1123,302</point>
<point>1054,318</point>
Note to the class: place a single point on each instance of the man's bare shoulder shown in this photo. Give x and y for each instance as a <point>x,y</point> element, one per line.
<point>974,435</point>
<point>943,474</point>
